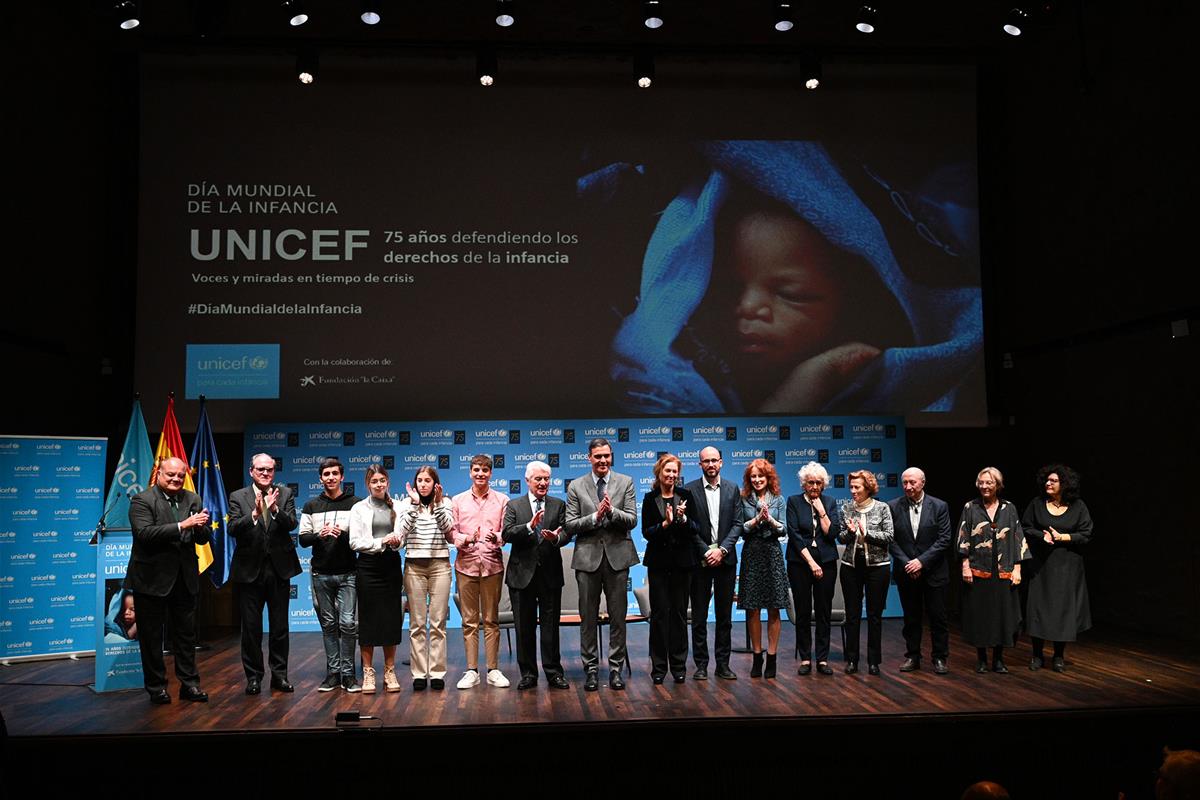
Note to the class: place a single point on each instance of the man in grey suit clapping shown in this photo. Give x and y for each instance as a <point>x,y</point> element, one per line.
<point>601,511</point>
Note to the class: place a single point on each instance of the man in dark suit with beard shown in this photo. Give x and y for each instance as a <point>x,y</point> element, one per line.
<point>922,537</point>
<point>533,526</point>
<point>715,511</point>
<point>168,522</point>
<point>261,519</point>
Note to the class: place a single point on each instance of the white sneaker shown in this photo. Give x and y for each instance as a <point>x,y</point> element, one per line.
<point>496,678</point>
<point>469,680</point>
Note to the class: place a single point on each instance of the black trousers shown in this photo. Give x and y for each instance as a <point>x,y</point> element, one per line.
<point>538,598</point>
<point>669,590</point>
<point>709,583</point>
<point>919,598</point>
<point>269,590</point>
<point>812,595</point>
<point>873,581</point>
<point>153,612</point>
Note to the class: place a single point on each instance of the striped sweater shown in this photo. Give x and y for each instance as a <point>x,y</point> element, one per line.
<point>424,532</point>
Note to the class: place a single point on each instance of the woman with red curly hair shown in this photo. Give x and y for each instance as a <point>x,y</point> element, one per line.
<point>763,581</point>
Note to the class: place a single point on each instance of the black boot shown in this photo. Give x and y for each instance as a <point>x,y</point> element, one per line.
<point>769,672</point>
<point>756,667</point>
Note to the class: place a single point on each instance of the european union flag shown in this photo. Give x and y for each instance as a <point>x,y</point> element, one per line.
<point>211,489</point>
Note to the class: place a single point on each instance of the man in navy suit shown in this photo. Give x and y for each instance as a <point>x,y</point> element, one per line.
<point>922,537</point>
<point>168,522</point>
<point>717,506</point>
<point>533,525</point>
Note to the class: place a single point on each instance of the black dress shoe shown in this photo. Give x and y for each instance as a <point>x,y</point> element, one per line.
<point>437,684</point>
<point>658,679</point>
<point>824,668</point>
<point>805,669</point>
<point>615,681</point>
<point>1036,663</point>
<point>1058,664</point>
<point>253,686</point>
<point>419,684</point>
<point>939,666</point>
<point>701,674</point>
<point>193,693</point>
<point>872,669</point>
<point>910,665</point>
<point>528,682</point>
<point>679,677</point>
<point>725,673</point>
<point>999,667</point>
<point>282,685</point>
<point>591,683</point>
<point>981,667</point>
<point>160,698</point>
<point>851,667</point>
<point>559,682</point>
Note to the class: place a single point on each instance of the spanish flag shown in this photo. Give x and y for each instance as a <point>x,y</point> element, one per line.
<point>170,445</point>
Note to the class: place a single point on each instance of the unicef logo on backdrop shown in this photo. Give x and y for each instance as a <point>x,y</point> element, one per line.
<point>486,436</point>
<point>66,600</point>
<point>91,449</point>
<point>815,431</point>
<point>66,513</point>
<point>87,492</point>
<point>799,455</point>
<point>8,536</point>
<point>364,461</point>
<point>269,438</point>
<point>420,459</point>
<point>525,458</point>
<point>304,613</point>
<point>577,458</point>
<point>48,448</point>
<point>25,514</point>
<point>386,436</point>
<point>67,642</point>
<point>601,431</point>
<point>68,471</point>
<point>16,648</point>
<point>67,556</point>
<point>640,458</point>
<point>10,447</point>
<point>20,602</point>
<point>83,578</point>
<point>44,535</point>
<point>645,483</point>
<point>6,624</point>
<point>28,470</point>
<point>22,558</point>
<point>41,622</point>
<point>9,492</point>
<point>870,431</point>
<point>46,493</point>
<point>324,439</point>
<point>845,454</point>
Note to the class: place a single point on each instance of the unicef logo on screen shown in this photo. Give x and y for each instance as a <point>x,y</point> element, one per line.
<point>20,602</point>
<point>304,613</point>
<point>26,470</point>
<point>601,431</point>
<point>525,458</point>
<point>13,647</point>
<point>93,449</point>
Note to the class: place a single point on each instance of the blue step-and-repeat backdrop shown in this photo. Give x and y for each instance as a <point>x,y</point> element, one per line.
<point>51,496</point>
<point>842,444</point>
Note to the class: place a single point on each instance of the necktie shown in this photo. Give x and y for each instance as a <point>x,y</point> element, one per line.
<point>600,490</point>
<point>537,529</point>
<point>174,501</point>
<point>264,512</point>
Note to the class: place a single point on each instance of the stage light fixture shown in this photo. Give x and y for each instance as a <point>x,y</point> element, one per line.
<point>866,19</point>
<point>486,67</point>
<point>643,69</point>
<point>1016,22</point>
<point>293,11</point>
<point>784,19</point>
<point>306,66</point>
<point>372,12</point>
<point>127,16</point>
<point>506,13</point>
<point>652,14</point>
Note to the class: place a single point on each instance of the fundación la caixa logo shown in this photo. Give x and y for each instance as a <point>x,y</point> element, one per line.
<point>233,371</point>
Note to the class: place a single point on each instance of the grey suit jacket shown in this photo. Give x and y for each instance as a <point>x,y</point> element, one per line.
<point>610,537</point>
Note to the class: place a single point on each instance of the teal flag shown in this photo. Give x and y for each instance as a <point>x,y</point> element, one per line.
<point>211,488</point>
<point>132,474</point>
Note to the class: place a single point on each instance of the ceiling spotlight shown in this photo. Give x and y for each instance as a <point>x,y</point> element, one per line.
<point>371,12</point>
<point>293,11</point>
<point>652,14</point>
<point>126,13</point>
<point>485,67</point>
<point>866,19</point>
<point>306,66</point>
<point>643,69</point>
<point>1017,20</point>
<point>506,14</point>
<point>784,20</point>
<point>812,75</point>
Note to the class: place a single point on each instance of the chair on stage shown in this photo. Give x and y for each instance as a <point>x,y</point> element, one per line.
<point>505,616</point>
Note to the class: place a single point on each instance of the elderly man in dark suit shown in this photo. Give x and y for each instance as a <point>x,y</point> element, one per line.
<point>168,522</point>
<point>601,511</point>
<point>533,525</point>
<point>261,518</point>
<point>715,512</point>
<point>922,537</point>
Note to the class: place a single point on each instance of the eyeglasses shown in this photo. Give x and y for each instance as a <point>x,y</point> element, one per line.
<point>264,470</point>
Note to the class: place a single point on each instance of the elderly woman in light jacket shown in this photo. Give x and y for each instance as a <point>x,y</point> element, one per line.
<point>866,530</point>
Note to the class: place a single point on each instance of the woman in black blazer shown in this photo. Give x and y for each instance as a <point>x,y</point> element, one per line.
<point>671,557</point>
<point>812,563</point>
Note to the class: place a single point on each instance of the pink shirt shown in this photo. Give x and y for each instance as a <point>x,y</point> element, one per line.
<point>484,514</point>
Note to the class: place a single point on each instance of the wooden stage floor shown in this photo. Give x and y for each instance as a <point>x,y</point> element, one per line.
<point>1096,730</point>
<point>1108,672</point>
